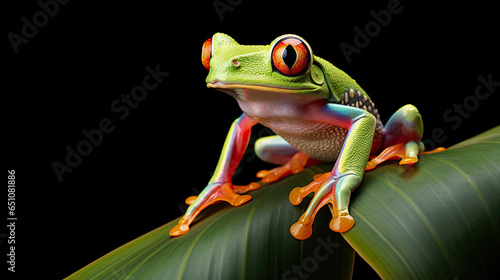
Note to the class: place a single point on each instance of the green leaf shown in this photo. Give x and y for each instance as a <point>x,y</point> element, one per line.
<point>439,219</point>
<point>247,242</point>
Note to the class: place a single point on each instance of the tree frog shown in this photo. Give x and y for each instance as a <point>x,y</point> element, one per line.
<point>319,114</point>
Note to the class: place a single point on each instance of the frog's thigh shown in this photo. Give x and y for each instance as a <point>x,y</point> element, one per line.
<point>403,126</point>
<point>274,149</point>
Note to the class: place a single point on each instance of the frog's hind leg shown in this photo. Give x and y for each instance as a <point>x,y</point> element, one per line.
<point>275,150</point>
<point>403,126</point>
<point>402,137</point>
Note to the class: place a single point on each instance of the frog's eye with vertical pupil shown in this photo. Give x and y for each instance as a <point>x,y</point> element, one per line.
<point>291,56</point>
<point>206,53</point>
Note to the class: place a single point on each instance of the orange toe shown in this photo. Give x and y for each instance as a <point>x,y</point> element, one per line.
<point>301,230</point>
<point>190,200</point>
<point>182,226</point>
<point>342,223</point>
<point>247,188</point>
<point>437,150</point>
<point>408,160</point>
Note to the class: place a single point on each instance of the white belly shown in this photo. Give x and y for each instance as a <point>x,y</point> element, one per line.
<point>320,141</point>
<point>317,140</point>
<point>283,113</point>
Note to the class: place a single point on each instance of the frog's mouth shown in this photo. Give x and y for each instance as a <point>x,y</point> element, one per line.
<point>246,92</point>
<point>219,85</point>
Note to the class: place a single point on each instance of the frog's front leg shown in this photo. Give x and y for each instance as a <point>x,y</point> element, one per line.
<point>220,187</point>
<point>334,188</point>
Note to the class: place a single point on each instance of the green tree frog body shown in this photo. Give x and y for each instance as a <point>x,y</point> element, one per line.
<point>319,114</point>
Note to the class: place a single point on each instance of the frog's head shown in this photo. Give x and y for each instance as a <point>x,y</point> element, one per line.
<point>287,66</point>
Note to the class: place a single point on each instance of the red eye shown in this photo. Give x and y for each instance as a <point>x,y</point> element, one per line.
<point>206,53</point>
<point>291,56</point>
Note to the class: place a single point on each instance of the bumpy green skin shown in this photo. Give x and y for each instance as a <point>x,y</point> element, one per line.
<point>338,81</point>
<point>322,113</point>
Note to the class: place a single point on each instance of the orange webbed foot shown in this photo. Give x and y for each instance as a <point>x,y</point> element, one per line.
<point>302,229</point>
<point>407,152</point>
<point>295,165</point>
<point>323,187</point>
<point>392,152</point>
<point>297,194</point>
<point>212,195</point>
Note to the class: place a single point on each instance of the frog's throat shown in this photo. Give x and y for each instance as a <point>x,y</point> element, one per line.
<point>219,85</point>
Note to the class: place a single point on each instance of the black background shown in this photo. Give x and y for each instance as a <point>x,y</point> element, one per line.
<point>66,77</point>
